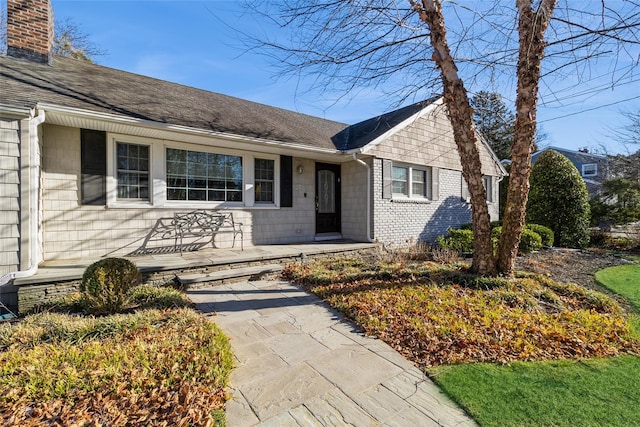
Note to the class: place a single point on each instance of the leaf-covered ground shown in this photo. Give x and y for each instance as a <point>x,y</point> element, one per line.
<point>153,368</point>
<point>436,314</point>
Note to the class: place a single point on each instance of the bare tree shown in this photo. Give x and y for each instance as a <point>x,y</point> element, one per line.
<point>629,132</point>
<point>406,49</point>
<point>70,41</point>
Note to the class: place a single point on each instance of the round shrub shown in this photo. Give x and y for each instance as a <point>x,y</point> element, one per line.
<point>546,234</point>
<point>559,200</point>
<point>105,284</point>
<point>529,240</point>
<point>457,240</point>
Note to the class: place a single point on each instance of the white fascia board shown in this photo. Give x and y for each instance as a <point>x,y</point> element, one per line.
<point>371,145</point>
<point>15,111</point>
<point>74,117</point>
<point>495,158</point>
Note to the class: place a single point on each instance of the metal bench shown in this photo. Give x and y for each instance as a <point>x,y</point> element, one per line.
<point>201,223</point>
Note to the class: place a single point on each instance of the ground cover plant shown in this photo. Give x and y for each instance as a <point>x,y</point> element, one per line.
<point>437,314</point>
<point>527,351</point>
<point>160,363</point>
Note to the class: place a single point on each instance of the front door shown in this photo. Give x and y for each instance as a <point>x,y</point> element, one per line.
<point>327,198</point>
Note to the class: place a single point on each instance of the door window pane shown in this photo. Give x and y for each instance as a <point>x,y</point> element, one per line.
<point>326,192</point>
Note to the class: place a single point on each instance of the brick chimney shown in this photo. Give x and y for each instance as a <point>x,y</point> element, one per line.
<point>30,30</point>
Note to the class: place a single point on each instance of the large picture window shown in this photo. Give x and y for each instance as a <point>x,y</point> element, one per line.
<point>198,176</point>
<point>133,171</point>
<point>264,180</point>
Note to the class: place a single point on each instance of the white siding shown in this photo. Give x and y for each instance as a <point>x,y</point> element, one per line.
<point>10,134</point>
<point>72,230</point>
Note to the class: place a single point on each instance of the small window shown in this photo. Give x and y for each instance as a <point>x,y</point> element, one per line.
<point>488,186</point>
<point>133,171</point>
<point>418,183</point>
<point>411,182</point>
<point>264,180</point>
<point>590,169</point>
<point>400,181</point>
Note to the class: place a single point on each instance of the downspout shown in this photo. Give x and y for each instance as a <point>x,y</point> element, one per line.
<point>34,208</point>
<point>369,238</point>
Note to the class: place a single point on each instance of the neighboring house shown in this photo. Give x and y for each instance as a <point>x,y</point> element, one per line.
<point>93,159</point>
<point>594,168</point>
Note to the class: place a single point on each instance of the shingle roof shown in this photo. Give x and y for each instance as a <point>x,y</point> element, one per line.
<point>72,83</point>
<point>360,134</point>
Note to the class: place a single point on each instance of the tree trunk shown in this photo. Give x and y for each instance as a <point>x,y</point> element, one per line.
<point>531,27</point>
<point>461,117</point>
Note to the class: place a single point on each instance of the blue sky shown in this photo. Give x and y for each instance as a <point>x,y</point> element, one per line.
<point>190,42</point>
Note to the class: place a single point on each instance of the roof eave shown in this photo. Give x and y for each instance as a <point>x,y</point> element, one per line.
<point>62,115</point>
<point>15,110</point>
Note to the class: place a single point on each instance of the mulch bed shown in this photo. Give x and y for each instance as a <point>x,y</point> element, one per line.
<point>569,265</point>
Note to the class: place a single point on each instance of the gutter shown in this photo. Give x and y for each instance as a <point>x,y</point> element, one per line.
<point>56,111</point>
<point>355,158</point>
<point>35,255</point>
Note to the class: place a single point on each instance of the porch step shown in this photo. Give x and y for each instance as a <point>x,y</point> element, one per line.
<point>191,280</point>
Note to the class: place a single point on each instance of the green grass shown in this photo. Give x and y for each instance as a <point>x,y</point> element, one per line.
<point>623,280</point>
<point>594,392</point>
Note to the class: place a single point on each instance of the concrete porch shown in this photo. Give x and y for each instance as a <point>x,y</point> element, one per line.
<point>56,278</point>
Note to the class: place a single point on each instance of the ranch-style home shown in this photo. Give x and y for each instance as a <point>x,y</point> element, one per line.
<point>94,159</point>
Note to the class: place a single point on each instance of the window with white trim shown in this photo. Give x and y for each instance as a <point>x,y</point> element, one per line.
<point>487,181</point>
<point>264,180</point>
<point>200,176</point>
<point>412,182</point>
<point>132,171</point>
<point>590,169</point>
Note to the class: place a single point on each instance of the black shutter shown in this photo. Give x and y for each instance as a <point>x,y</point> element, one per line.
<point>286,181</point>
<point>93,167</point>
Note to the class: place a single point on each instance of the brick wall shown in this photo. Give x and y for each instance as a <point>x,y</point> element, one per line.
<point>426,142</point>
<point>403,222</point>
<point>30,29</point>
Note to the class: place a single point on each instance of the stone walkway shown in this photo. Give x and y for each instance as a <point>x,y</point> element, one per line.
<point>299,363</point>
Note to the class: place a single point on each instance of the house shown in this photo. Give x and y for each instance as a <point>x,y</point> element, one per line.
<point>93,159</point>
<point>593,168</point>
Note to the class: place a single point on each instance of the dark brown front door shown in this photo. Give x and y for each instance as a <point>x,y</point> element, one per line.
<point>327,198</point>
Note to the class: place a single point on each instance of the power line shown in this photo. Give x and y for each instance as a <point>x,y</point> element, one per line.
<point>589,109</point>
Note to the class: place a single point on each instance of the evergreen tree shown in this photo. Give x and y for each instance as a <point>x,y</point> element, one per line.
<point>558,199</point>
<point>494,121</point>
